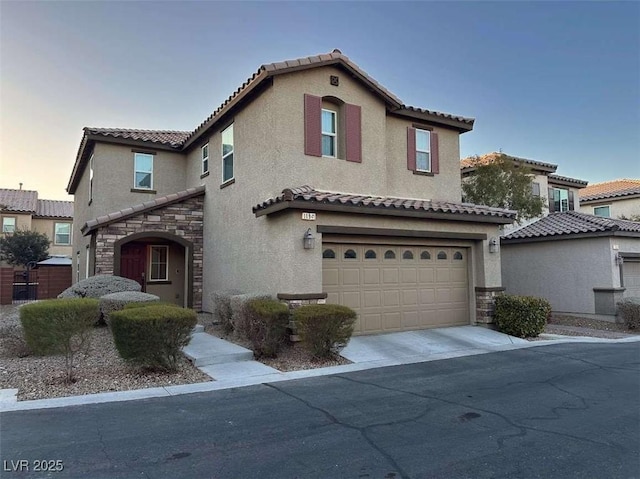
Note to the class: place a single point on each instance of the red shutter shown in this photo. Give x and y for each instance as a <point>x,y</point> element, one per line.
<point>435,153</point>
<point>552,207</point>
<point>353,133</point>
<point>411,148</point>
<point>312,125</point>
<point>571,201</point>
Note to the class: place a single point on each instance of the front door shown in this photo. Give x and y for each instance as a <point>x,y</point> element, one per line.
<point>132,262</point>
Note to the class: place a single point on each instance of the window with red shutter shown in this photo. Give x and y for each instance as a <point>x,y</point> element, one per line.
<point>312,125</point>
<point>353,133</point>
<point>422,151</point>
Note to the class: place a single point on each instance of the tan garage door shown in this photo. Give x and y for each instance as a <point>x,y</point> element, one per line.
<point>398,288</point>
<point>631,278</point>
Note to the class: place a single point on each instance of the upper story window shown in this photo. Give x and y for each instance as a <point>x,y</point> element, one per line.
<point>329,133</point>
<point>62,233</point>
<point>332,128</point>
<point>535,188</point>
<point>205,159</point>
<point>604,211</point>
<point>560,199</point>
<point>143,171</point>
<point>159,263</point>
<point>227,154</point>
<point>8,224</point>
<point>423,150</point>
<point>91,178</point>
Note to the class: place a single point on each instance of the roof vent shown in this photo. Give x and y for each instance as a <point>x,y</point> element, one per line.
<point>335,50</point>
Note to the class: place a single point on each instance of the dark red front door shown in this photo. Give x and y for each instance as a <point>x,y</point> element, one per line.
<point>132,262</point>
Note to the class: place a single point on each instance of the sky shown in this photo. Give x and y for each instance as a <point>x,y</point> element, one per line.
<point>557,82</point>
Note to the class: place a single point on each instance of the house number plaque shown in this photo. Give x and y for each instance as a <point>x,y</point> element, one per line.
<point>309,216</point>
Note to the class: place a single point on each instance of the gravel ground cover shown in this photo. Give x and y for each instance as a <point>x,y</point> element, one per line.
<point>102,370</point>
<point>576,326</point>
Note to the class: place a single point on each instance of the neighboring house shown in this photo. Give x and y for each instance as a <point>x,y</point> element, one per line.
<point>612,199</point>
<point>581,263</point>
<point>311,182</point>
<point>559,193</point>
<point>21,209</point>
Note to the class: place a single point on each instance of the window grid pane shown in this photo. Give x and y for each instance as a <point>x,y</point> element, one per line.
<point>143,164</point>
<point>227,154</point>
<point>8,225</point>
<point>159,265</point>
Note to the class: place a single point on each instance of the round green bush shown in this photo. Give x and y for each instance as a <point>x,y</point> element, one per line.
<point>266,326</point>
<point>117,301</point>
<point>521,316</point>
<point>324,329</point>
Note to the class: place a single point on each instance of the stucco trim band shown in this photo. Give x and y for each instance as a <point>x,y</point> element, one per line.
<point>355,230</point>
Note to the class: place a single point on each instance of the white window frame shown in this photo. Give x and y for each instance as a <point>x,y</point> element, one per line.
<point>560,199</point>
<point>4,225</point>
<point>608,207</point>
<point>151,279</point>
<point>55,232</point>
<point>136,171</point>
<point>87,261</point>
<point>91,179</point>
<point>228,154</point>
<point>205,158</point>
<point>428,151</point>
<point>332,134</point>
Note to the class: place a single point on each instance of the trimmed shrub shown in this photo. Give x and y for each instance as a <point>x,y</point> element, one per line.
<point>60,326</point>
<point>98,286</point>
<point>155,303</point>
<point>324,329</point>
<point>266,326</point>
<point>239,314</point>
<point>117,301</point>
<point>521,316</point>
<point>222,308</point>
<point>152,336</point>
<point>629,310</point>
<point>12,337</point>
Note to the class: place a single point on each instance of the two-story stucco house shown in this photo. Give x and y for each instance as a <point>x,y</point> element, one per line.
<point>612,199</point>
<point>22,210</point>
<point>559,193</point>
<point>311,182</point>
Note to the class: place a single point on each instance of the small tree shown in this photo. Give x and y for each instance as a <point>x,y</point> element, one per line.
<point>503,183</point>
<point>23,246</point>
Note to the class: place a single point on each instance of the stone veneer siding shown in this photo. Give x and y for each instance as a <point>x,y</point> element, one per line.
<point>294,301</point>
<point>486,305</point>
<point>184,219</point>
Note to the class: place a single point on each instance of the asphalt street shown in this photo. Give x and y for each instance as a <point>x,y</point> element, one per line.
<point>559,411</point>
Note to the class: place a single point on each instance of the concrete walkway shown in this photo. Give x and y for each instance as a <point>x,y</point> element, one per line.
<point>233,366</point>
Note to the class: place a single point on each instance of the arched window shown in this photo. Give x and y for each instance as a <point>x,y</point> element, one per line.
<point>442,255</point>
<point>407,255</point>
<point>370,254</point>
<point>425,255</point>
<point>349,254</point>
<point>329,253</point>
<point>457,255</point>
<point>389,254</point>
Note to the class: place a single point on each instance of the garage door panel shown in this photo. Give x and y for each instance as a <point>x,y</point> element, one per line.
<point>631,278</point>
<point>395,288</point>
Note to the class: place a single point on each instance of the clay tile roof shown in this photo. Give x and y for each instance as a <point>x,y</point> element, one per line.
<point>54,209</point>
<point>471,161</point>
<point>563,225</point>
<point>311,195</point>
<point>565,179</point>
<point>462,119</point>
<point>20,201</point>
<point>610,189</point>
<point>153,204</point>
<point>171,138</point>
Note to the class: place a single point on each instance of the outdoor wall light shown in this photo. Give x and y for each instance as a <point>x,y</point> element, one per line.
<point>619,259</point>
<point>494,245</point>
<point>309,240</point>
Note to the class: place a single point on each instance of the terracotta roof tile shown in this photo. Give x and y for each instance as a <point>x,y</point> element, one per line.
<point>20,201</point>
<point>569,223</point>
<point>54,209</point>
<point>142,208</point>
<point>487,158</point>
<point>165,137</point>
<point>610,189</point>
<point>311,195</point>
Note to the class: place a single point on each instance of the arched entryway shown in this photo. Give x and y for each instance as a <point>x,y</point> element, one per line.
<point>161,262</point>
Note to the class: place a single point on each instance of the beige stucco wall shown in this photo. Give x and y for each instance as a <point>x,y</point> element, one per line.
<point>618,207</point>
<point>47,226</point>
<point>563,272</point>
<point>23,222</point>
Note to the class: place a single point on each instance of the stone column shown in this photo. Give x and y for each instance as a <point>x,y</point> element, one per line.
<point>486,305</point>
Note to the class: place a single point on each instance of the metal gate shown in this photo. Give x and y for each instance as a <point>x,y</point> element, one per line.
<point>25,286</point>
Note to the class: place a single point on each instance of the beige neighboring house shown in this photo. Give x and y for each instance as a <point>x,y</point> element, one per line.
<point>559,193</point>
<point>612,199</point>
<point>22,210</point>
<point>312,182</point>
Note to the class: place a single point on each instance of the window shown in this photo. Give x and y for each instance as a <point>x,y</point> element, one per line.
<point>329,136</point>
<point>442,255</point>
<point>457,255</point>
<point>604,211</point>
<point>205,159</point>
<point>8,224</point>
<point>423,150</point>
<point>143,176</point>
<point>62,233</point>
<point>87,261</point>
<point>329,254</point>
<point>349,254</point>
<point>407,255</point>
<point>560,199</point>
<point>91,179</point>
<point>227,154</point>
<point>370,254</point>
<point>389,254</point>
<point>535,189</point>
<point>159,263</point>
<point>425,255</point>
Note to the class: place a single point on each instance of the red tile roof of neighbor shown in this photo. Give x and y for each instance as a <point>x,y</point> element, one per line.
<point>563,225</point>
<point>26,201</point>
<point>472,161</point>
<point>311,197</point>
<point>610,189</point>
<point>164,137</point>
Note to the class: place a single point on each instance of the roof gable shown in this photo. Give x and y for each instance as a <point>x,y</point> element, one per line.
<point>19,201</point>
<point>610,189</point>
